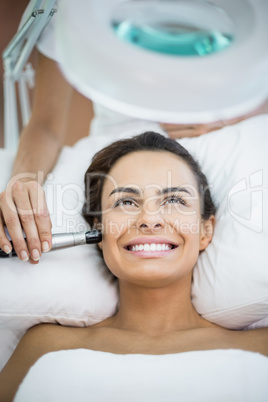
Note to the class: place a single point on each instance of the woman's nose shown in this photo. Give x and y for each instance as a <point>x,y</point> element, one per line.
<point>150,221</point>
<point>152,228</point>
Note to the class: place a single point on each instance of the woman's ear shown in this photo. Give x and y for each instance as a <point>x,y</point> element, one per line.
<point>207,230</point>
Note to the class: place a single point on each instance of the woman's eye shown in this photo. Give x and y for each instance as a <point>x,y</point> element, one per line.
<point>124,202</point>
<point>127,202</point>
<point>174,200</point>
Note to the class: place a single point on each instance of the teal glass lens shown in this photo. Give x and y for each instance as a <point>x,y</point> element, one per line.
<point>180,43</point>
<point>174,33</point>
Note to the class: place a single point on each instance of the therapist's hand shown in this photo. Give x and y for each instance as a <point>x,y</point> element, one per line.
<point>190,130</point>
<point>23,206</point>
<point>194,130</point>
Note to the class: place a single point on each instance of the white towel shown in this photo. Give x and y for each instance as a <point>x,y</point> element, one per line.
<point>200,376</point>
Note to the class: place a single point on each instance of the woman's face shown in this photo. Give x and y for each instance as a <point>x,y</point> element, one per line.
<point>152,227</point>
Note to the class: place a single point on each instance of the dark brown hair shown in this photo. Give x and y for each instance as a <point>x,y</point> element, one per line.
<point>104,160</point>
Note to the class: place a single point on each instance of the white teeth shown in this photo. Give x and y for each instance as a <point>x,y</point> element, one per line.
<point>151,247</point>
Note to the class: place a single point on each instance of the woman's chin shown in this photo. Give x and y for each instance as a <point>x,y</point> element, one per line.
<point>152,272</point>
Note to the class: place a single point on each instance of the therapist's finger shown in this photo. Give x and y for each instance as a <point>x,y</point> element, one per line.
<point>27,219</point>
<point>41,215</point>
<point>11,220</point>
<point>4,241</point>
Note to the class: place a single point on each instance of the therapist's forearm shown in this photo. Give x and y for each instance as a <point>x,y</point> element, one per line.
<point>37,154</point>
<point>43,137</point>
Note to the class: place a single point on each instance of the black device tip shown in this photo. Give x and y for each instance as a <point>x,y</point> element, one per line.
<point>93,236</point>
<point>5,255</point>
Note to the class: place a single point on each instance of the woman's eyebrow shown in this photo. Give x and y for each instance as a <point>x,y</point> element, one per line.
<point>168,190</point>
<point>135,191</point>
<point>130,190</point>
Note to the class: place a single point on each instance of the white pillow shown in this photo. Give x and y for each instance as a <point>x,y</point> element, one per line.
<point>72,286</point>
<point>230,284</point>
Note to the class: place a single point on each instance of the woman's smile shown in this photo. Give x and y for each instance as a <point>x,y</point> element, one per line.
<point>153,247</point>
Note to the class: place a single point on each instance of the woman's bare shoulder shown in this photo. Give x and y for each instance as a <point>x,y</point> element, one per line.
<point>50,336</point>
<point>253,340</point>
<point>36,342</point>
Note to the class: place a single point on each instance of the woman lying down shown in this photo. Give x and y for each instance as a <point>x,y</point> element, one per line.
<point>155,209</point>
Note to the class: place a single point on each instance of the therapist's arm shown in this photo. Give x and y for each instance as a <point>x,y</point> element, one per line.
<point>43,137</point>
<point>22,204</point>
<point>176,131</point>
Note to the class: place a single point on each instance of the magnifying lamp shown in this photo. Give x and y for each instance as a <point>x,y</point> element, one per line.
<point>177,61</point>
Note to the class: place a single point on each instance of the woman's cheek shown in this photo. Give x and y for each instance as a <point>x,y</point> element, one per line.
<point>188,223</point>
<point>114,225</point>
<point>190,227</point>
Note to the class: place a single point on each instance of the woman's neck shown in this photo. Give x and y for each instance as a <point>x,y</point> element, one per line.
<point>158,310</point>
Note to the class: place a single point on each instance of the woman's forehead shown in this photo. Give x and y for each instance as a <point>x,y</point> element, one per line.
<point>155,169</point>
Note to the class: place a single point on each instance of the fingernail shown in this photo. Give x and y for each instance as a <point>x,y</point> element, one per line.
<point>7,249</point>
<point>24,256</point>
<point>45,247</point>
<point>35,255</point>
